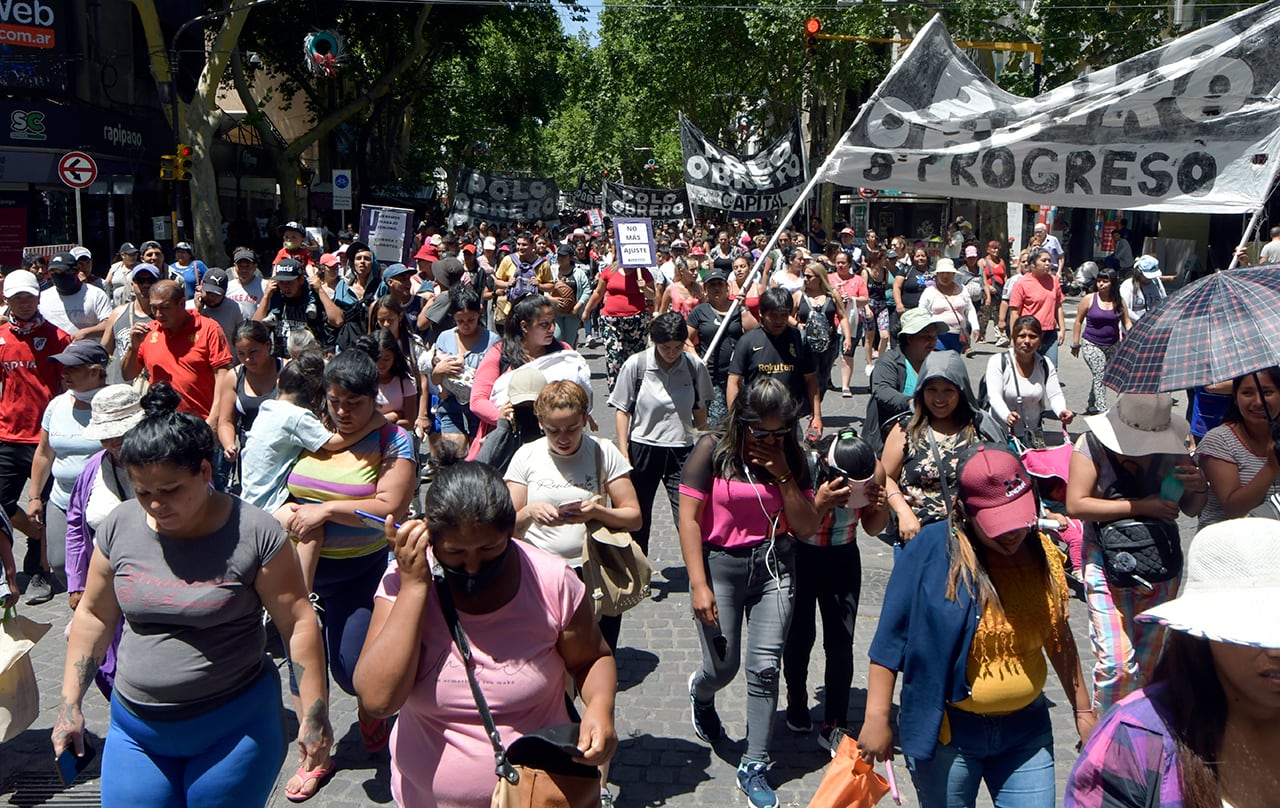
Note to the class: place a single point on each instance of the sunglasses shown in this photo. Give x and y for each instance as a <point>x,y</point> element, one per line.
<point>763,434</point>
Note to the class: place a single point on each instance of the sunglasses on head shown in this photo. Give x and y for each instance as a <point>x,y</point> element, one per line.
<point>762,434</point>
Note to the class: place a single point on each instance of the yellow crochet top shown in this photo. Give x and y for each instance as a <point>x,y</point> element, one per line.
<point>1007,666</point>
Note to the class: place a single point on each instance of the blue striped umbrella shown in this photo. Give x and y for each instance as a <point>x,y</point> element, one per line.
<point>1214,330</point>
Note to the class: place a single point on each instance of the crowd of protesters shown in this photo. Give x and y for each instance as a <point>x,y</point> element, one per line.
<point>187,447</point>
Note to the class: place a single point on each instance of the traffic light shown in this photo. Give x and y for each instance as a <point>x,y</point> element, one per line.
<point>182,163</point>
<point>166,166</point>
<point>812,27</point>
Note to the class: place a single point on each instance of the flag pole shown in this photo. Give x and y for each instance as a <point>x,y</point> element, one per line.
<point>768,248</point>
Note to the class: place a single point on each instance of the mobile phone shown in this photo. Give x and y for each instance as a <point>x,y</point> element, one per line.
<point>374,521</point>
<point>571,505</point>
<point>70,767</point>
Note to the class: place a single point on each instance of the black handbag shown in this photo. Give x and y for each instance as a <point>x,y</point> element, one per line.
<point>1138,551</point>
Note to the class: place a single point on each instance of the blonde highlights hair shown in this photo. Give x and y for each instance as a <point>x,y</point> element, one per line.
<point>561,395</point>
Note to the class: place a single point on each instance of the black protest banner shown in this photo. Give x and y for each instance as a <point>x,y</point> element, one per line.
<point>490,198</point>
<point>586,197</point>
<point>652,203</point>
<point>769,182</point>
<point>1191,126</point>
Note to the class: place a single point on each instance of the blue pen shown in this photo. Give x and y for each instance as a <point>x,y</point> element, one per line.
<point>372,520</point>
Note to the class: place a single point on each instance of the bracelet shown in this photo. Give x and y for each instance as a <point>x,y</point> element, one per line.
<point>783,480</point>
<point>1089,711</point>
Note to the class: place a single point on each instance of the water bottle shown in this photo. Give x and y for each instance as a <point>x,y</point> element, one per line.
<point>1171,488</point>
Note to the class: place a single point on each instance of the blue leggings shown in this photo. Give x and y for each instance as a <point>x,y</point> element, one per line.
<point>229,756</point>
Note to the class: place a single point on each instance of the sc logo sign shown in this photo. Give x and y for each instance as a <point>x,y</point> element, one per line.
<point>27,125</point>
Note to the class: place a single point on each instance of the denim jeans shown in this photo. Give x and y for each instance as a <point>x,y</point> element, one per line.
<point>1012,753</point>
<point>1049,345</point>
<point>754,584</point>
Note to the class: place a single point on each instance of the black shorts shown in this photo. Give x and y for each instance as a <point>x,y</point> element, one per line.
<point>15,471</point>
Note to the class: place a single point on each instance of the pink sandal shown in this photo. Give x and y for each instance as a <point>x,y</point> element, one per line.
<point>319,776</point>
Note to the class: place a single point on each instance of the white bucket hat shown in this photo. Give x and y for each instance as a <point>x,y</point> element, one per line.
<point>1231,592</point>
<point>116,409</point>
<point>1141,424</point>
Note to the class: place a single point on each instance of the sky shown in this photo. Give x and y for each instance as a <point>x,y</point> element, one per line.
<point>571,27</point>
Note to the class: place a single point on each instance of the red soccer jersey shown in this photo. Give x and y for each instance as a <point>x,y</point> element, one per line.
<point>30,380</point>
<point>187,359</point>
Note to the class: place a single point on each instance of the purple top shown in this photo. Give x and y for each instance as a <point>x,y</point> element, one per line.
<point>1101,326</point>
<point>80,552</point>
<point>1131,760</point>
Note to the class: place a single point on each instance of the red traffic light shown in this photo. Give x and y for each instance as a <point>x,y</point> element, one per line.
<point>812,26</point>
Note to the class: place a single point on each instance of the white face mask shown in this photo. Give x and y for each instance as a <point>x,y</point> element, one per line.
<point>85,397</point>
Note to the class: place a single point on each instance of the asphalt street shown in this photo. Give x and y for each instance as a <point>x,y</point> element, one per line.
<point>659,760</point>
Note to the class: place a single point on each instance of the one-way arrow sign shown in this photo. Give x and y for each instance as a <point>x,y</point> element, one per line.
<point>77,170</point>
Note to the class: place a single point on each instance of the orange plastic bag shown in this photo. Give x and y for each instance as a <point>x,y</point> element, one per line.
<point>849,782</point>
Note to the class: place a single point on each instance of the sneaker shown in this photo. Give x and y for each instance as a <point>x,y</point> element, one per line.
<point>845,392</point>
<point>830,736</point>
<point>706,721</point>
<point>798,719</point>
<point>752,782</point>
<point>871,366</point>
<point>1002,342</point>
<point>606,799</point>
<point>40,588</point>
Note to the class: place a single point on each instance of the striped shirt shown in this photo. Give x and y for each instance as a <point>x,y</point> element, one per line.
<point>349,474</point>
<point>1223,443</point>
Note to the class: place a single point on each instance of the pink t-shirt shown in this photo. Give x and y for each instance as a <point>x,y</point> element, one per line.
<point>1039,298</point>
<point>439,751</point>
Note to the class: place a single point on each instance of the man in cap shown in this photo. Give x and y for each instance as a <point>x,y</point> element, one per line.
<point>245,284</point>
<point>211,301</point>
<point>399,280</point>
<point>183,348</point>
<point>28,381</point>
<point>436,318</point>
<point>293,245</point>
<point>64,420</point>
<point>289,304</point>
<point>79,309</point>
<point>849,246</point>
<point>958,234</point>
<point>118,276</point>
<point>127,315</point>
<point>893,381</point>
<point>84,263</point>
<point>1144,288</point>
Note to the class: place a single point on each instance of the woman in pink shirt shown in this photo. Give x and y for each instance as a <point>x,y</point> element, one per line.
<point>1040,296</point>
<point>527,620</point>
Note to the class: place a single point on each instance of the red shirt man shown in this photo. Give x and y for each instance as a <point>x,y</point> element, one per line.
<point>185,349</point>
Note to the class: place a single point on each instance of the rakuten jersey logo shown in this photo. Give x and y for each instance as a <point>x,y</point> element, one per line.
<point>26,24</point>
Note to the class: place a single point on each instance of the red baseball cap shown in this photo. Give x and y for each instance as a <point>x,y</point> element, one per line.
<point>996,491</point>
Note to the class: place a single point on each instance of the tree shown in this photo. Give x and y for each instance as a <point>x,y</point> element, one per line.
<point>198,118</point>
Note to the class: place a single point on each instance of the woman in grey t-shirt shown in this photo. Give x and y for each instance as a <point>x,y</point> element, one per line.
<point>195,714</point>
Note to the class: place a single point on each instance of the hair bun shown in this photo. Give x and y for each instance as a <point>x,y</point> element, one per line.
<point>161,399</point>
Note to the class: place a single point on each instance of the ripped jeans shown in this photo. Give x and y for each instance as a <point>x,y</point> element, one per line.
<point>754,583</point>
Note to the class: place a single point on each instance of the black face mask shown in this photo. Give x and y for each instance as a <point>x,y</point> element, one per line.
<point>472,584</point>
<point>67,283</point>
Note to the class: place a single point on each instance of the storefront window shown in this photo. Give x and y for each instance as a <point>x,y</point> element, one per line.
<point>54,217</point>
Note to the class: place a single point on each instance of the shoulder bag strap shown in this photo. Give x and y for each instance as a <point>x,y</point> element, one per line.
<point>501,767</point>
<point>942,476</point>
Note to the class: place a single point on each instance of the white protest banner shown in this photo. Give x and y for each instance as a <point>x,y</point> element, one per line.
<point>1191,126</point>
<point>490,198</point>
<point>634,241</point>
<point>595,218</point>
<point>388,232</point>
<point>654,203</point>
<point>767,183</point>
<point>342,189</point>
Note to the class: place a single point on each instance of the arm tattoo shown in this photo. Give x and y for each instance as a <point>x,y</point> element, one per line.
<point>315,722</point>
<point>86,667</point>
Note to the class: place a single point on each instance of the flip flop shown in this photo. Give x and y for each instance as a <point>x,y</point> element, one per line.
<point>375,734</point>
<point>320,776</point>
